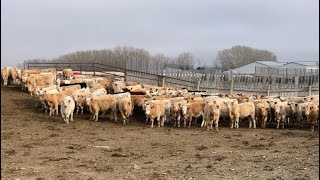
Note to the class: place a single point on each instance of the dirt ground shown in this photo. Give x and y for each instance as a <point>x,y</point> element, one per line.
<point>36,146</point>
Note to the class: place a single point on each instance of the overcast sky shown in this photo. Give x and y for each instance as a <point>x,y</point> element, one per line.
<point>50,28</point>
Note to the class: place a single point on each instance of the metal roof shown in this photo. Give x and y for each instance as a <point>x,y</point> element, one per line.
<point>270,63</point>
<point>305,63</point>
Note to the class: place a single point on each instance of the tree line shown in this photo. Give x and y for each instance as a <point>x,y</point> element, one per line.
<point>119,56</point>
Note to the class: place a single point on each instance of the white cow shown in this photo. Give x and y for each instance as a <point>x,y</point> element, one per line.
<point>67,108</point>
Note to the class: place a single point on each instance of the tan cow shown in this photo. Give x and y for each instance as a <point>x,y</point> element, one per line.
<point>4,76</point>
<point>156,110</point>
<point>105,82</point>
<point>25,75</point>
<point>125,108</point>
<point>80,98</point>
<point>102,104</point>
<point>117,86</point>
<point>212,115</point>
<point>137,100</point>
<point>241,111</point>
<point>190,110</point>
<point>176,109</point>
<point>53,101</point>
<point>312,114</point>
<point>261,111</point>
<point>67,74</point>
<point>43,79</point>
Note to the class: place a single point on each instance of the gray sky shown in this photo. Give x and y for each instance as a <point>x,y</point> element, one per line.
<point>49,28</point>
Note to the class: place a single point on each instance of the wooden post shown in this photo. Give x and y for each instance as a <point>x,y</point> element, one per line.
<point>80,68</point>
<point>309,89</point>
<point>310,85</point>
<point>231,84</point>
<point>94,70</point>
<point>163,81</point>
<point>198,84</point>
<point>268,92</point>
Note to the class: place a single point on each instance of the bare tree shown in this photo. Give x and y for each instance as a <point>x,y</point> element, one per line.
<point>185,61</point>
<point>241,55</point>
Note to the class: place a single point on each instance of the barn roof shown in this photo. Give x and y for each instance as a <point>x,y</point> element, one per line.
<point>270,63</point>
<point>305,63</point>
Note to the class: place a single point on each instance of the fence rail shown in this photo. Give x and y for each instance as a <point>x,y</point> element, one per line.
<point>212,82</point>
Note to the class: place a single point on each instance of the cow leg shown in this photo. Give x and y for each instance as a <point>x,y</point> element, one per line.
<point>152,120</point>
<point>115,115</point>
<point>216,124</point>
<point>185,122</point>
<point>71,116</point>
<point>232,123</point>
<point>178,120</point>
<point>162,119</point>
<point>146,119</point>
<point>278,123</point>
<point>50,110</point>
<point>159,121</point>
<point>77,111</point>
<point>124,119</point>
<point>57,107</point>
<point>96,115</point>
<point>282,122</point>
<point>66,119</point>
<point>203,121</point>
<point>190,121</point>
<point>237,123</point>
<point>254,122</point>
<point>81,110</point>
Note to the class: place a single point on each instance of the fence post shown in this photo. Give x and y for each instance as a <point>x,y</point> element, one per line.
<point>198,84</point>
<point>163,81</point>
<point>231,84</point>
<point>310,85</point>
<point>80,68</point>
<point>94,69</point>
<point>269,86</point>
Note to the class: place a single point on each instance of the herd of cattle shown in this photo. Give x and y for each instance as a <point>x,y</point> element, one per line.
<point>101,95</point>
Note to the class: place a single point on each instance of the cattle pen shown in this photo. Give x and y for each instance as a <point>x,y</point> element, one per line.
<point>301,84</point>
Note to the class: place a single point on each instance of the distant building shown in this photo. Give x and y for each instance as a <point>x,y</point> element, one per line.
<point>250,69</point>
<point>270,67</point>
<point>308,65</point>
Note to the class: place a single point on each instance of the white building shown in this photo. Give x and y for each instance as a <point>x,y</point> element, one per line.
<point>251,68</point>
<point>278,67</point>
<point>308,65</point>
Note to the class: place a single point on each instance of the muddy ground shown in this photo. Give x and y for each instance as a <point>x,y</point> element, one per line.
<point>36,146</point>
